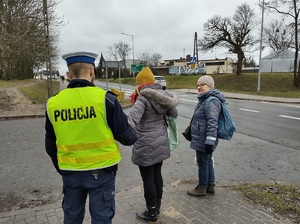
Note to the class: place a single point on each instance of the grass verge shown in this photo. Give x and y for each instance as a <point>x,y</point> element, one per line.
<point>38,93</point>
<point>272,84</point>
<point>281,199</point>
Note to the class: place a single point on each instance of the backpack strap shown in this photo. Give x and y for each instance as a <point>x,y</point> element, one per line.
<point>209,99</point>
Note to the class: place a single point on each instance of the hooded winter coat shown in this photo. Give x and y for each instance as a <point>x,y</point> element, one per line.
<point>147,117</point>
<point>204,125</point>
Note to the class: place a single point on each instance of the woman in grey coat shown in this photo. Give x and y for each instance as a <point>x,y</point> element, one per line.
<point>147,117</point>
<point>204,127</point>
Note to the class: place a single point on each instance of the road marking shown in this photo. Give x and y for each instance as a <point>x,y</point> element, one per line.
<point>247,110</point>
<point>296,106</point>
<point>287,104</point>
<point>193,101</point>
<point>128,93</point>
<point>284,116</point>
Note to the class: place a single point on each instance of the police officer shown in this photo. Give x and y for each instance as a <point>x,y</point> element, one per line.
<point>82,124</point>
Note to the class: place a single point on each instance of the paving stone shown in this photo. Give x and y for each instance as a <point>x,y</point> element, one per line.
<point>226,207</point>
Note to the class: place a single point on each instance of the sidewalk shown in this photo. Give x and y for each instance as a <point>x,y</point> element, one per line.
<point>250,97</point>
<point>226,207</point>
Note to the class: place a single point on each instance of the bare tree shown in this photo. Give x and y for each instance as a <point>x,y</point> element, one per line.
<point>279,36</point>
<point>155,59</point>
<point>233,33</point>
<point>150,60</point>
<point>22,39</point>
<point>289,9</point>
<point>145,59</point>
<point>249,62</point>
<point>120,51</point>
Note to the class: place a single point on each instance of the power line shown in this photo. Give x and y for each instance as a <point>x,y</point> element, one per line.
<point>173,43</point>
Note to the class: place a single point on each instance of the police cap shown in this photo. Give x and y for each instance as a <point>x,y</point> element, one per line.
<point>80,57</point>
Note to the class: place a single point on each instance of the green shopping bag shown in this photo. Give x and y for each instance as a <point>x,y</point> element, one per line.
<point>173,133</point>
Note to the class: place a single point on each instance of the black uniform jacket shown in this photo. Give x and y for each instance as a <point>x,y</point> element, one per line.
<point>116,120</point>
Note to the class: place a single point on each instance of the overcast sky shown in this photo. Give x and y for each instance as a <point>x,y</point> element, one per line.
<point>158,26</point>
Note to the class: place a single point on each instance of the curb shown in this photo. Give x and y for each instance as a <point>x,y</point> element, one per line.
<point>22,117</point>
<point>256,98</point>
<point>39,115</point>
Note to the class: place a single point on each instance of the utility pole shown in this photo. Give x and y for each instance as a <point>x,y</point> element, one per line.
<point>260,47</point>
<point>196,47</point>
<point>48,61</point>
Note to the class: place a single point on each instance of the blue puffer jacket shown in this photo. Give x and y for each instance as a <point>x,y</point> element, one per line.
<point>204,125</point>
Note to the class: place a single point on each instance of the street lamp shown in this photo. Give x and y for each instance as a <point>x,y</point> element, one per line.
<point>132,46</point>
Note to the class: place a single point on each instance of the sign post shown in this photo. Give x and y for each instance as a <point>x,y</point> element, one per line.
<point>193,62</point>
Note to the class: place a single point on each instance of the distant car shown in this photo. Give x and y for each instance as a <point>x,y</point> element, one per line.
<point>161,80</point>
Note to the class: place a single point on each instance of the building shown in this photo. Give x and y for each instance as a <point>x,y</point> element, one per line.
<point>184,66</point>
<point>279,61</point>
<point>212,66</point>
<point>218,66</point>
<point>43,74</point>
<point>178,62</point>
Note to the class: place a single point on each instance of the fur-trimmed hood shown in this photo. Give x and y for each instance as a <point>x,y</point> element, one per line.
<point>160,99</point>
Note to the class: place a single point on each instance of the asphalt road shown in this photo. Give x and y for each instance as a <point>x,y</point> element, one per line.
<point>278,123</point>
<point>27,171</point>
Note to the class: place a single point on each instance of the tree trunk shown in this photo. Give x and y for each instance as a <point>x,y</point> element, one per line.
<point>297,78</point>
<point>239,63</point>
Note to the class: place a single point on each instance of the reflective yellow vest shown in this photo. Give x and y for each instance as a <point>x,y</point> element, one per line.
<point>84,140</point>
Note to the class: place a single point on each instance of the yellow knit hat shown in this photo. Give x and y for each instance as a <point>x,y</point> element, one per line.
<point>145,76</point>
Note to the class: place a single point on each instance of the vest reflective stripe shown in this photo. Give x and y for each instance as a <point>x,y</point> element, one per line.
<point>88,146</point>
<point>92,159</point>
<point>84,140</point>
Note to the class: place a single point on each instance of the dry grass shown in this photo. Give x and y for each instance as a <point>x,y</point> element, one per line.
<point>281,199</point>
<point>38,92</point>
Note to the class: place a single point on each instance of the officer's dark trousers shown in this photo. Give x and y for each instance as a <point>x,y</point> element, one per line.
<point>101,191</point>
<point>153,183</point>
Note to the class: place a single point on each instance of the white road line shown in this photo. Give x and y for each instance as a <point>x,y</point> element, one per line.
<point>282,104</point>
<point>290,105</point>
<point>193,101</point>
<point>128,93</point>
<point>295,118</point>
<point>253,111</point>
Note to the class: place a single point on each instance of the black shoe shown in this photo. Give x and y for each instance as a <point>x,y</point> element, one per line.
<point>149,215</point>
<point>146,217</point>
<point>158,203</point>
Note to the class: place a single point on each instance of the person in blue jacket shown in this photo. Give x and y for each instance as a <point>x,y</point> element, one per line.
<point>82,124</point>
<point>204,140</point>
